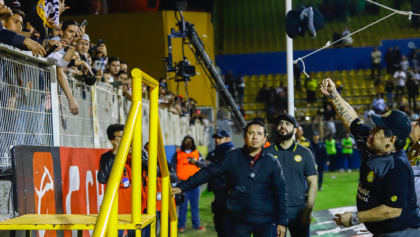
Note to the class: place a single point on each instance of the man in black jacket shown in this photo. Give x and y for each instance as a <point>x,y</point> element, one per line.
<point>265,194</point>
<point>218,186</point>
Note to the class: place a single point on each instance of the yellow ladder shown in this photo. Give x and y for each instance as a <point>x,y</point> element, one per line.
<point>108,222</point>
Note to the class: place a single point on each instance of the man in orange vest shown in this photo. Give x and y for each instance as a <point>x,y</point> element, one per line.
<point>186,163</point>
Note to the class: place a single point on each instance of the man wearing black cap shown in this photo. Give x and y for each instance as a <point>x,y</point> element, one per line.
<point>386,198</point>
<point>300,173</point>
<point>218,185</point>
<point>321,156</point>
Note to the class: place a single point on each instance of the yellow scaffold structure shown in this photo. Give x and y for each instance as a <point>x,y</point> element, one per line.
<point>108,222</point>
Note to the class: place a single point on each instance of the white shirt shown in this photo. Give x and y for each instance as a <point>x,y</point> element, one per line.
<point>404,65</point>
<point>376,57</point>
<point>400,76</point>
<point>57,59</point>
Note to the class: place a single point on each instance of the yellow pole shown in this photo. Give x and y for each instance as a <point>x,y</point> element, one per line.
<point>116,172</point>
<point>136,174</point>
<point>153,140</point>
<point>174,228</point>
<point>113,222</point>
<point>164,214</point>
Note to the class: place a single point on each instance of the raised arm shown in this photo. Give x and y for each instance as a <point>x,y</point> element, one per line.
<point>344,111</point>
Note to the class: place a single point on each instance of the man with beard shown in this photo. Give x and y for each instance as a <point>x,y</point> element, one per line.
<point>386,197</point>
<point>300,173</point>
<point>218,186</point>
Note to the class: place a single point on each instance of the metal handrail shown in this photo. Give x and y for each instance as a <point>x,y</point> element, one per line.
<point>132,132</point>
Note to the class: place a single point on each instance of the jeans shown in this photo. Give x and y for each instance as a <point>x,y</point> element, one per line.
<point>239,229</point>
<point>390,97</point>
<point>193,197</point>
<point>348,157</point>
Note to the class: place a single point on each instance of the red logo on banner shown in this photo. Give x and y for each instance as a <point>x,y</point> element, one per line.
<point>43,172</point>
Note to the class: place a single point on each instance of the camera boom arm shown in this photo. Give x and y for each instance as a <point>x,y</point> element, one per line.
<point>187,30</point>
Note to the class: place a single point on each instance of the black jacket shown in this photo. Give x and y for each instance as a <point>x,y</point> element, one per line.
<point>218,185</point>
<point>266,198</point>
<point>107,160</point>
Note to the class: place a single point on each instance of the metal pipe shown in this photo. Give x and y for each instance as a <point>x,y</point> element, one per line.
<point>153,142</point>
<point>289,61</point>
<point>113,222</point>
<point>111,191</point>
<point>164,214</point>
<point>136,159</point>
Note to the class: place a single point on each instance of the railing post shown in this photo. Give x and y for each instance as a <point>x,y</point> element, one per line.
<point>112,187</point>
<point>136,179</point>
<point>164,214</point>
<point>95,117</point>
<point>113,220</point>
<point>55,106</point>
<point>153,131</point>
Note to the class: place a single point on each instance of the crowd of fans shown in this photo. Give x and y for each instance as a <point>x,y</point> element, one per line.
<point>77,57</point>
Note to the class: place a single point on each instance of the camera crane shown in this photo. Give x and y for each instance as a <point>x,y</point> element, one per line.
<point>184,70</point>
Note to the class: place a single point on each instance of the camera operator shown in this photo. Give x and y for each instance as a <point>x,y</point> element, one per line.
<point>386,198</point>
<point>257,198</point>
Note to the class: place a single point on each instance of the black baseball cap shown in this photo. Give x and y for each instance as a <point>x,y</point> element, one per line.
<point>287,117</point>
<point>396,121</point>
<point>221,133</point>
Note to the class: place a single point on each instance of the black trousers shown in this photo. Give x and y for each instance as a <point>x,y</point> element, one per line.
<point>321,169</point>
<point>377,67</point>
<point>221,217</point>
<point>399,91</point>
<point>413,99</point>
<point>333,162</point>
<point>295,224</point>
<point>239,229</point>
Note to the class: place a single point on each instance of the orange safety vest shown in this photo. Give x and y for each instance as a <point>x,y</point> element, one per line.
<point>267,144</point>
<point>183,168</point>
<point>144,193</point>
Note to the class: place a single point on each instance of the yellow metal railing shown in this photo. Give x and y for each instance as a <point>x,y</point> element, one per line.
<point>107,222</point>
<point>108,214</point>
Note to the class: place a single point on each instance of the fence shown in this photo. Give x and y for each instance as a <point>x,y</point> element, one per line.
<point>35,111</point>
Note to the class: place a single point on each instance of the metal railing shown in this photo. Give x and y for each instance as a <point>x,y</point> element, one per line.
<point>27,89</point>
<point>132,135</point>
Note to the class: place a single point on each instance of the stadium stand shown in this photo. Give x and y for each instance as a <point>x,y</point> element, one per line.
<point>258,26</point>
<point>358,89</point>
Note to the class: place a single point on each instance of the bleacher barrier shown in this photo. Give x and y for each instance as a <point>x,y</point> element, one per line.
<point>40,115</point>
<point>35,118</point>
<point>51,164</point>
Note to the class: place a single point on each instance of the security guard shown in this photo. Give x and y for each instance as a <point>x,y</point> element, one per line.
<point>298,165</point>
<point>386,198</point>
<point>218,186</point>
<point>300,139</point>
